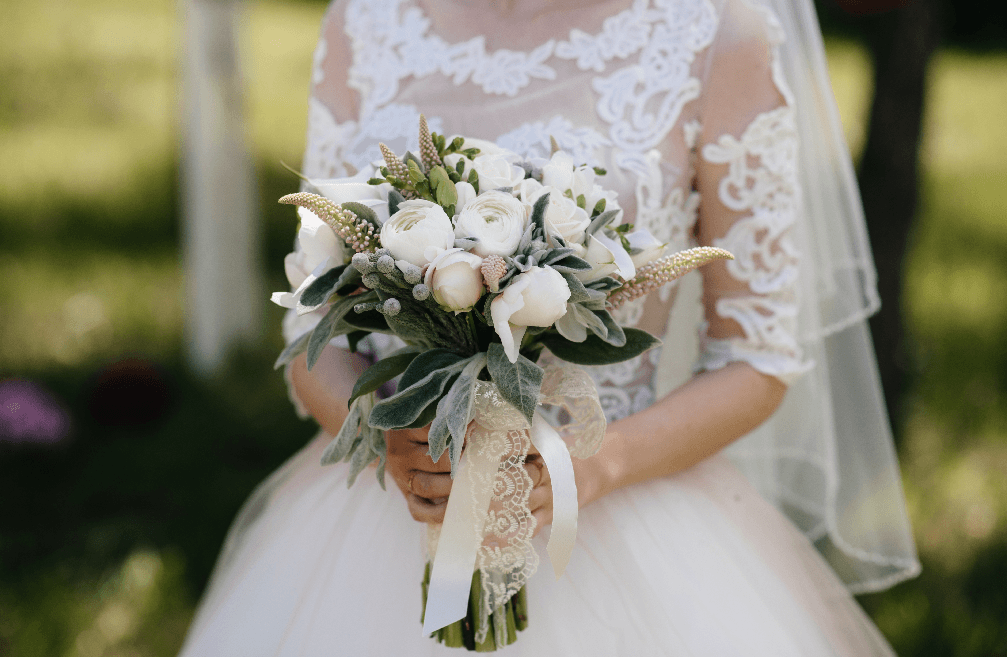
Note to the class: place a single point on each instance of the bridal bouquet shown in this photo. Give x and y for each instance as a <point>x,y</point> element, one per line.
<point>479,261</point>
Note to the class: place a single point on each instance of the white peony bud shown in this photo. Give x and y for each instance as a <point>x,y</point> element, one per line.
<point>356,188</point>
<point>606,257</point>
<point>466,194</point>
<point>535,298</point>
<point>647,246</point>
<point>497,220</point>
<point>455,279</point>
<point>417,232</point>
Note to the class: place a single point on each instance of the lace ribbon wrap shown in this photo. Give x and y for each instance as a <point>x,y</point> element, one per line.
<point>488,525</point>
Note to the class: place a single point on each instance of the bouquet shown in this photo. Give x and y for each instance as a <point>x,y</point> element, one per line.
<point>479,261</point>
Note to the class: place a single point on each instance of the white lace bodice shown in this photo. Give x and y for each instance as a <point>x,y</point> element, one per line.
<point>682,101</point>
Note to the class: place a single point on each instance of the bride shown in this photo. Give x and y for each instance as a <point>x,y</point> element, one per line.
<point>747,484</point>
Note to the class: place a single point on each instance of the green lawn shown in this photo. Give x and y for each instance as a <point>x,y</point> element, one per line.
<point>103,551</point>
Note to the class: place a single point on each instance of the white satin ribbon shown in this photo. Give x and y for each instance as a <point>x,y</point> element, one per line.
<point>461,534</point>
<point>460,538</point>
<point>556,455</point>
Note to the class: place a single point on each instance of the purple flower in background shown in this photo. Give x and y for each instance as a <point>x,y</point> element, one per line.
<point>31,414</point>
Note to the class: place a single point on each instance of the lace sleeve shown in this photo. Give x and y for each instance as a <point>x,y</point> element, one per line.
<point>747,177</point>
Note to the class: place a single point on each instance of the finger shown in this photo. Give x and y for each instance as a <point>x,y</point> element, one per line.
<point>536,468</point>
<point>543,518</point>
<point>424,510</point>
<point>540,497</point>
<point>430,485</point>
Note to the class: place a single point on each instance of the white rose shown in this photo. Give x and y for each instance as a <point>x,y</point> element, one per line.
<point>562,216</point>
<point>535,298</point>
<point>496,171</point>
<point>647,246</point>
<point>319,250</point>
<point>455,280</point>
<point>418,232</point>
<point>496,219</point>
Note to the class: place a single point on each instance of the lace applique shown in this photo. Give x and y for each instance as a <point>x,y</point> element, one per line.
<point>621,36</point>
<point>386,51</point>
<point>317,72</point>
<point>532,140</point>
<point>761,179</point>
<point>325,150</point>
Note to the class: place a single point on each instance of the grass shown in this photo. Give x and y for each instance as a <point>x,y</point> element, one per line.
<point>104,550</point>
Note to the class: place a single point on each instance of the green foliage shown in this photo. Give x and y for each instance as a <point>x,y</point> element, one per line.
<point>454,412</point>
<point>422,384</point>
<point>519,383</point>
<point>595,351</point>
<point>329,327</point>
<point>382,371</point>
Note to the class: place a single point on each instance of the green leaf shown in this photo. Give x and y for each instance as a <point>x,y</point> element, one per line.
<point>602,219</point>
<point>519,383</point>
<point>363,212</point>
<point>342,444</point>
<point>321,289</point>
<point>445,189</point>
<point>292,351</point>
<point>599,207</point>
<point>415,170</point>
<point>423,382</point>
<point>354,338</point>
<point>349,281</point>
<point>394,198</point>
<point>454,412</point>
<point>384,370</point>
<point>579,292</point>
<point>614,335</point>
<point>327,328</point>
<point>371,321</point>
<point>595,351</point>
<point>538,212</point>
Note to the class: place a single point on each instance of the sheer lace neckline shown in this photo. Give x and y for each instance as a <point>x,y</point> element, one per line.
<point>421,17</point>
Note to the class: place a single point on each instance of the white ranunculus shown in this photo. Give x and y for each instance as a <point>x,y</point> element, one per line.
<point>647,246</point>
<point>535,298</point>
<point>563,217</point>
<point>496,171</point>
<point>319,250</point>
<point>496,219</point>
<point>455,280</point>
<point>418,232</point>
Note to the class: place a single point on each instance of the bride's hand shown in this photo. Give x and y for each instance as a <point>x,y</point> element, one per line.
<point>426,485</point>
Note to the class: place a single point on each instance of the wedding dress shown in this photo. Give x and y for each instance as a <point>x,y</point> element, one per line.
<point>686,104</point>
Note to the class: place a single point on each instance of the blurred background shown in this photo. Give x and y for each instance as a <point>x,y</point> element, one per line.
<point>130,435</point>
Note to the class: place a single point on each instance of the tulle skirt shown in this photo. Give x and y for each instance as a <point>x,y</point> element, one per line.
<point>687,565</point>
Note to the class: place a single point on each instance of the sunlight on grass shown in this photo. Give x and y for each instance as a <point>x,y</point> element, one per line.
<point>140,608</point>
<point>852,77</point>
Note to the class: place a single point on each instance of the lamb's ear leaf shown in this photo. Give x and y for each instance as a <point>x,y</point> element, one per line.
<point>320,290</point>
<point>454,412</point>
<point>328,328</point>
<point>413,402</point>
<point>292,351</point>
<point>615,335</point>
<point>384,370</point>
<point>595,351</point>
<point>538,213</point>
<point>601,220</point>
<point>394,198</point>
<point>519,382</point>
<point>342,444</point>
<point>363,212</point>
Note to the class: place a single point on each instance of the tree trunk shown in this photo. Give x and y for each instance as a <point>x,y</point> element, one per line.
<point>901,44</point>
<point>223,288</point>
